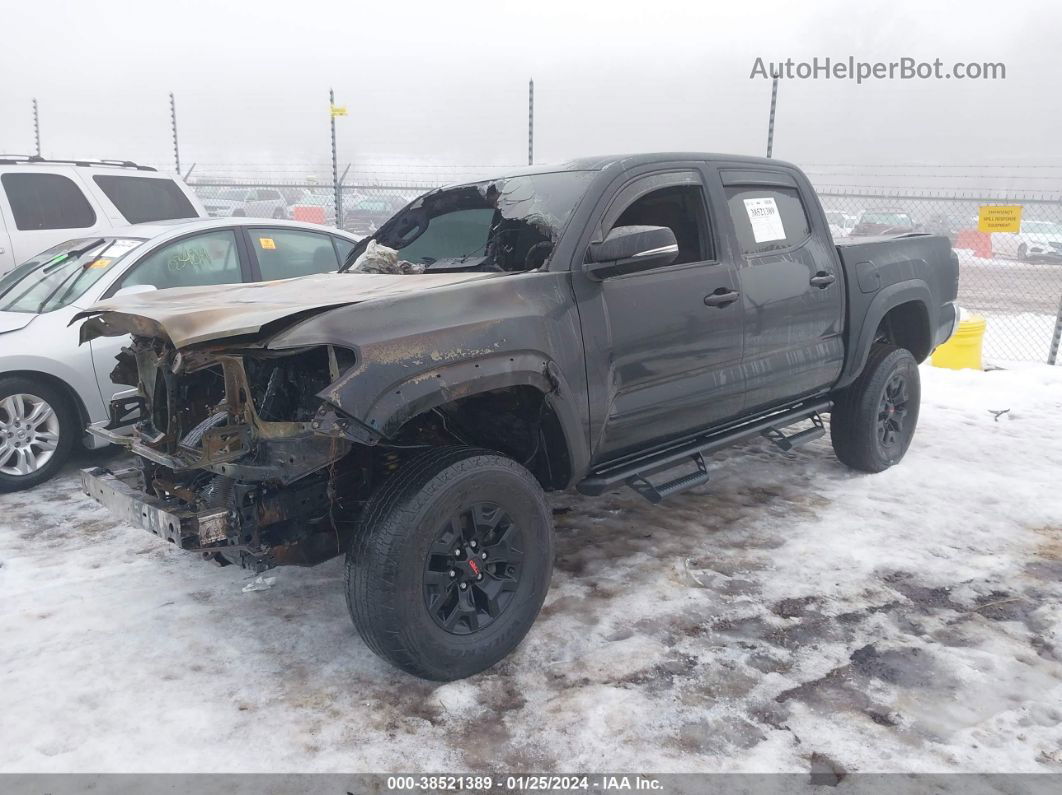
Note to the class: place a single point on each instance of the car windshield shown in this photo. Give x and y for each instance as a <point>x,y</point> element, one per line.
<point>509,224</point>
<point>59,276</point>
<point>1041,228</point>
<point>888,219</point>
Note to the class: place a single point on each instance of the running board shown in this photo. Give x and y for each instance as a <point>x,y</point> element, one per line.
<point>787,443</point>
<point>635,472</point>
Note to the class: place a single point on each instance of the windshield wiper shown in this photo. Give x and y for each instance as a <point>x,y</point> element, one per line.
<point>73,271</point>
<point>51,267</point>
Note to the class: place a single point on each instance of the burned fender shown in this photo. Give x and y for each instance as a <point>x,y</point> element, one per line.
<point>425,351</point>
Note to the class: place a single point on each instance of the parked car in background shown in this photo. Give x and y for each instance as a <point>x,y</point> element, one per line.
<point>314,207</point>
<point>44,202</point>
<point>883,222</point>
<point>1036,240</point>
<point>247,202</point>
<point>50,387</point>
<point>840,223</point>
<point>366,214</point>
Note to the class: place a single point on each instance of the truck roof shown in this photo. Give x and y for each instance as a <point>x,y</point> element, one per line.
<point>619,163</point>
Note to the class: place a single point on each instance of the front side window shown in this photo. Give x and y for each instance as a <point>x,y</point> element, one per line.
<point>144,199</point>
<point>681,209</point>
<point>47,201</point>
<point>59,276</point>
<point>767,219</point>
<point>209,258</point>
<point>286,253</point>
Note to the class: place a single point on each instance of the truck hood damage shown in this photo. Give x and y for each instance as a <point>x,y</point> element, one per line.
<point>192,315</point>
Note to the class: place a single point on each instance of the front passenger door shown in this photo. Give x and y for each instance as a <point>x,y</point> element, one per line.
<point>673,334</point>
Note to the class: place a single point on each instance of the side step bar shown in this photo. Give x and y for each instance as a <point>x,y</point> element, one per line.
<point>635,472</point>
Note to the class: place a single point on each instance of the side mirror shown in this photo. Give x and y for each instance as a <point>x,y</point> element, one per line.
<point>630,249</point>
<point>134,289</point>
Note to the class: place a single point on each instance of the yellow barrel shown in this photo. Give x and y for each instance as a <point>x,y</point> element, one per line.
<point>963,350</point>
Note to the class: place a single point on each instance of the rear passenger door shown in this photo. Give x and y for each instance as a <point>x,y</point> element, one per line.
<point>280,253</point>
<point>791,293</point>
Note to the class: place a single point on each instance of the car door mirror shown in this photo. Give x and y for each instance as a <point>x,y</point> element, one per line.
<point>133,289</point>
<point>630,249</point>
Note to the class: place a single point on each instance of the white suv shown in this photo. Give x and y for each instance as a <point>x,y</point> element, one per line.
<point>44,202</point>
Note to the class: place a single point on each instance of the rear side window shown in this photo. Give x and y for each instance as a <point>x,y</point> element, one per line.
<point>343,247</point>
<point>767,218</point>
<point>143,199</point>
<point>286,253</point>
<point>47,201</point>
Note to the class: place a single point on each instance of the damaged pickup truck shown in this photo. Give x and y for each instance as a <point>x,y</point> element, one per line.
<point>606,323</point>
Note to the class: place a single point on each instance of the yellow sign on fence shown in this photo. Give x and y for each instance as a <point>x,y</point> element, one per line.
<point>999,218</point>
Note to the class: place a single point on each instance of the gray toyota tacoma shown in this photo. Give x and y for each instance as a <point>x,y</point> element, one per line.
<point>606,323</point>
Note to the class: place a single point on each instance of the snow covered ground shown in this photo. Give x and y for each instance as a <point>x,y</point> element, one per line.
<point>907,621</point>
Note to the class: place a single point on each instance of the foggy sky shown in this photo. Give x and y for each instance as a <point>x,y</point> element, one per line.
<point>446,82</point>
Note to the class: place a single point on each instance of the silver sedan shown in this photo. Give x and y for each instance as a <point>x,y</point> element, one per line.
<point>51,387</point>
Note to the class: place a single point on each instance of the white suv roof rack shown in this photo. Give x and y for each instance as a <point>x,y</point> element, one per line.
<point>12,160</point>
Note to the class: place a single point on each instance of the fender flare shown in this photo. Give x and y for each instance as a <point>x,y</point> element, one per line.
<point>388,411</point>
<point>887,299</point>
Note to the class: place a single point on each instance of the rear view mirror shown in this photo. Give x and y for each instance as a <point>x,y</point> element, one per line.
<point>630,249</point>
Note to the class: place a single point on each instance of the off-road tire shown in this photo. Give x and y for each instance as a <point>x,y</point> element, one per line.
<point>70,428</point>
<point>386,577</point>
<point>859,409</point>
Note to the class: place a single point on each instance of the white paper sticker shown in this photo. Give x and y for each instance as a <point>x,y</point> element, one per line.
<point>765,220</point>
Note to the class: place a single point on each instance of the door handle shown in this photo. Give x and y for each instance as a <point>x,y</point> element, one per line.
<point>822,279</point>
<point>721,297</point>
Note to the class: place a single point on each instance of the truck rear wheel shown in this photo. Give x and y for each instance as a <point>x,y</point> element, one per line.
<point>874,418</point>
<point>450,563</point>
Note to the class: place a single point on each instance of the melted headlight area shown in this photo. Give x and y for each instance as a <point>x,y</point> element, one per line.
<point>226,439</point>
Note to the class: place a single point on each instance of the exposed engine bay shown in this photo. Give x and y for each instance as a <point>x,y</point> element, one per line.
<point>241,460</point>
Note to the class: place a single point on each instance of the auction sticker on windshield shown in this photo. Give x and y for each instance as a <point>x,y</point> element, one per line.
<point>267,243</point>
<point>765,220</point>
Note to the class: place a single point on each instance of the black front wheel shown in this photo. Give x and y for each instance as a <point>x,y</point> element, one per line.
<point>450,562</point>
<point>874,418</point>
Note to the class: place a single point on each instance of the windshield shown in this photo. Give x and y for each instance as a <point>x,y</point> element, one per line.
<point>509,224</point>
<point>60,275</point>
<point>888,219</point>
<point>1041,228</point>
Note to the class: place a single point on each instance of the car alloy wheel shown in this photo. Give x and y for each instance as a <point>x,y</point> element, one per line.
<point>29,434</point>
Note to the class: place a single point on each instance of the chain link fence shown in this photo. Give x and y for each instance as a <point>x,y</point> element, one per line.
<point>1013,280</point>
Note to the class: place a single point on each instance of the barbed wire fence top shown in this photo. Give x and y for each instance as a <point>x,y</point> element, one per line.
<point>1012,279</point>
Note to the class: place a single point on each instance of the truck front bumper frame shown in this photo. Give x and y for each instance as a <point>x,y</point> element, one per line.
<point>120,493</point>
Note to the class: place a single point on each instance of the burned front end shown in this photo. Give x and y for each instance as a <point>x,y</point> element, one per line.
<point>237,457</point>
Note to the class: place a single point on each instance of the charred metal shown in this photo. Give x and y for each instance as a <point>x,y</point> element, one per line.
<point>248,456</point>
